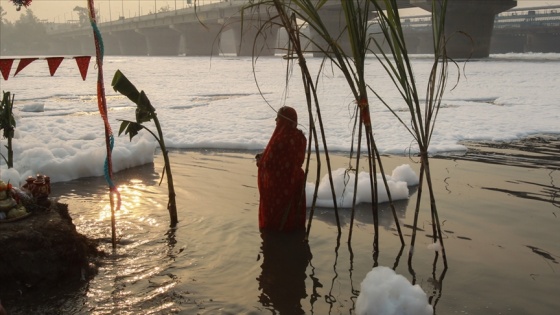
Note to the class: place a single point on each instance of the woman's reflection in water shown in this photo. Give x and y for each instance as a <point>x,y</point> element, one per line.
<point>282,279</point>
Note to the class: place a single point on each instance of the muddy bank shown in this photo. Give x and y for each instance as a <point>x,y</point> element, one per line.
<point>536,151</point>
<point>42,251</point>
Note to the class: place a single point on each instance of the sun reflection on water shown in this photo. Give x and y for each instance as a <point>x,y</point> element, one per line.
<point>139,202</point>
<point>134,277</point>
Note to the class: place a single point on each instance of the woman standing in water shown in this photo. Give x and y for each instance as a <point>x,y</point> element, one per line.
<point>281,179</point>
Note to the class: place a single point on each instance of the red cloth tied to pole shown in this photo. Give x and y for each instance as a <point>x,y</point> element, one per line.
<point>281,179</point>
<point>364,110</point>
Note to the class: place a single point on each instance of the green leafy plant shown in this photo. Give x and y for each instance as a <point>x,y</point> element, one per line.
<point>8,124</point>
<point>145,112</point>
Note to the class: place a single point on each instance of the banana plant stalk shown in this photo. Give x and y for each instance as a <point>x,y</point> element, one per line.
<point>8,124</point>
<point>145,112</point>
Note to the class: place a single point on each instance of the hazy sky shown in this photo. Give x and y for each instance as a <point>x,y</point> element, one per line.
<point>62,10</point>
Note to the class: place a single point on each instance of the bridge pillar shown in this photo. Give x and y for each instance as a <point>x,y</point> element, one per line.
<point>505,43</point>
<point>334,20</point>
<point>72,45</point>
<point>111,44</point>
<point>543,42</point>
<point>83,45</point>
<point>198,40</point>
<point>60,46</point>
<point>471,17</point>
<point>254,39</point>
<point>161,41</point>
<point>131,43</point>
<point>419,43</point>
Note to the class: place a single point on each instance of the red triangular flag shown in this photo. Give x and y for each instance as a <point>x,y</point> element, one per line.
<point>6,67</point>
<point>23,62</point>
<point>83,65</point>
<point>54,62</point>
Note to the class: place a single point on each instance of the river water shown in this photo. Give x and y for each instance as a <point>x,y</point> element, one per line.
<point>499,244</point>
<point>500,219</point>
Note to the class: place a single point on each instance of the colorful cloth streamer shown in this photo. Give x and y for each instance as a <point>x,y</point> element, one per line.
<point>102,102</point>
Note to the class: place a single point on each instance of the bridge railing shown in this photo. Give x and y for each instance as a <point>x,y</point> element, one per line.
<point>547,17</point>
<point>517,18</point>
<point>201,6</point>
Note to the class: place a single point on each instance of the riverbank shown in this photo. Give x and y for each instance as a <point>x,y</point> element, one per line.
<point>43,251</point>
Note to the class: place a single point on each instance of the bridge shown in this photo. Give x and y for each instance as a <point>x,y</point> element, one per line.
<point>534,29</point>
<point>519,30</point>
<point>216,28</point>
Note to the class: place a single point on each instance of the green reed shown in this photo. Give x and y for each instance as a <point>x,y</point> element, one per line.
<point>421,115</point>
<point>352,65</point>
<point>347,50</point>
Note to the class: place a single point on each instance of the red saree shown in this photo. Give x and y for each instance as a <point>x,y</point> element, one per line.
<point>281,179</point>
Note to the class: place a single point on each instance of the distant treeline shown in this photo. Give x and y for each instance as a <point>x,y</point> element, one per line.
<point>28,35</point>
<point>25,36</point>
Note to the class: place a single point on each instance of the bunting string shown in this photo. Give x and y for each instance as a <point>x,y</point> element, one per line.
<point>53,62</point>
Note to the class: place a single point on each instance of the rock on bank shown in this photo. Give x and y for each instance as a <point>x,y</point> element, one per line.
<point>42,251</point>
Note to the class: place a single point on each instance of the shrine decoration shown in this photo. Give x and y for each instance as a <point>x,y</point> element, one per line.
<point>20,3</point>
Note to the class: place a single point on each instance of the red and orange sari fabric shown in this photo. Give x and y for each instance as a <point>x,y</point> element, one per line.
<point>281,179</point>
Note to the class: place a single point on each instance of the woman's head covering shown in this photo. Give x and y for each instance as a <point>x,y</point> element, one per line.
<point>287,116</point>
<point>286,128</point>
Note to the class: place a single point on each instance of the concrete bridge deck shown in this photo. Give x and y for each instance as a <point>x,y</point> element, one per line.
<point>519,30</point>
<point>216,28</point>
